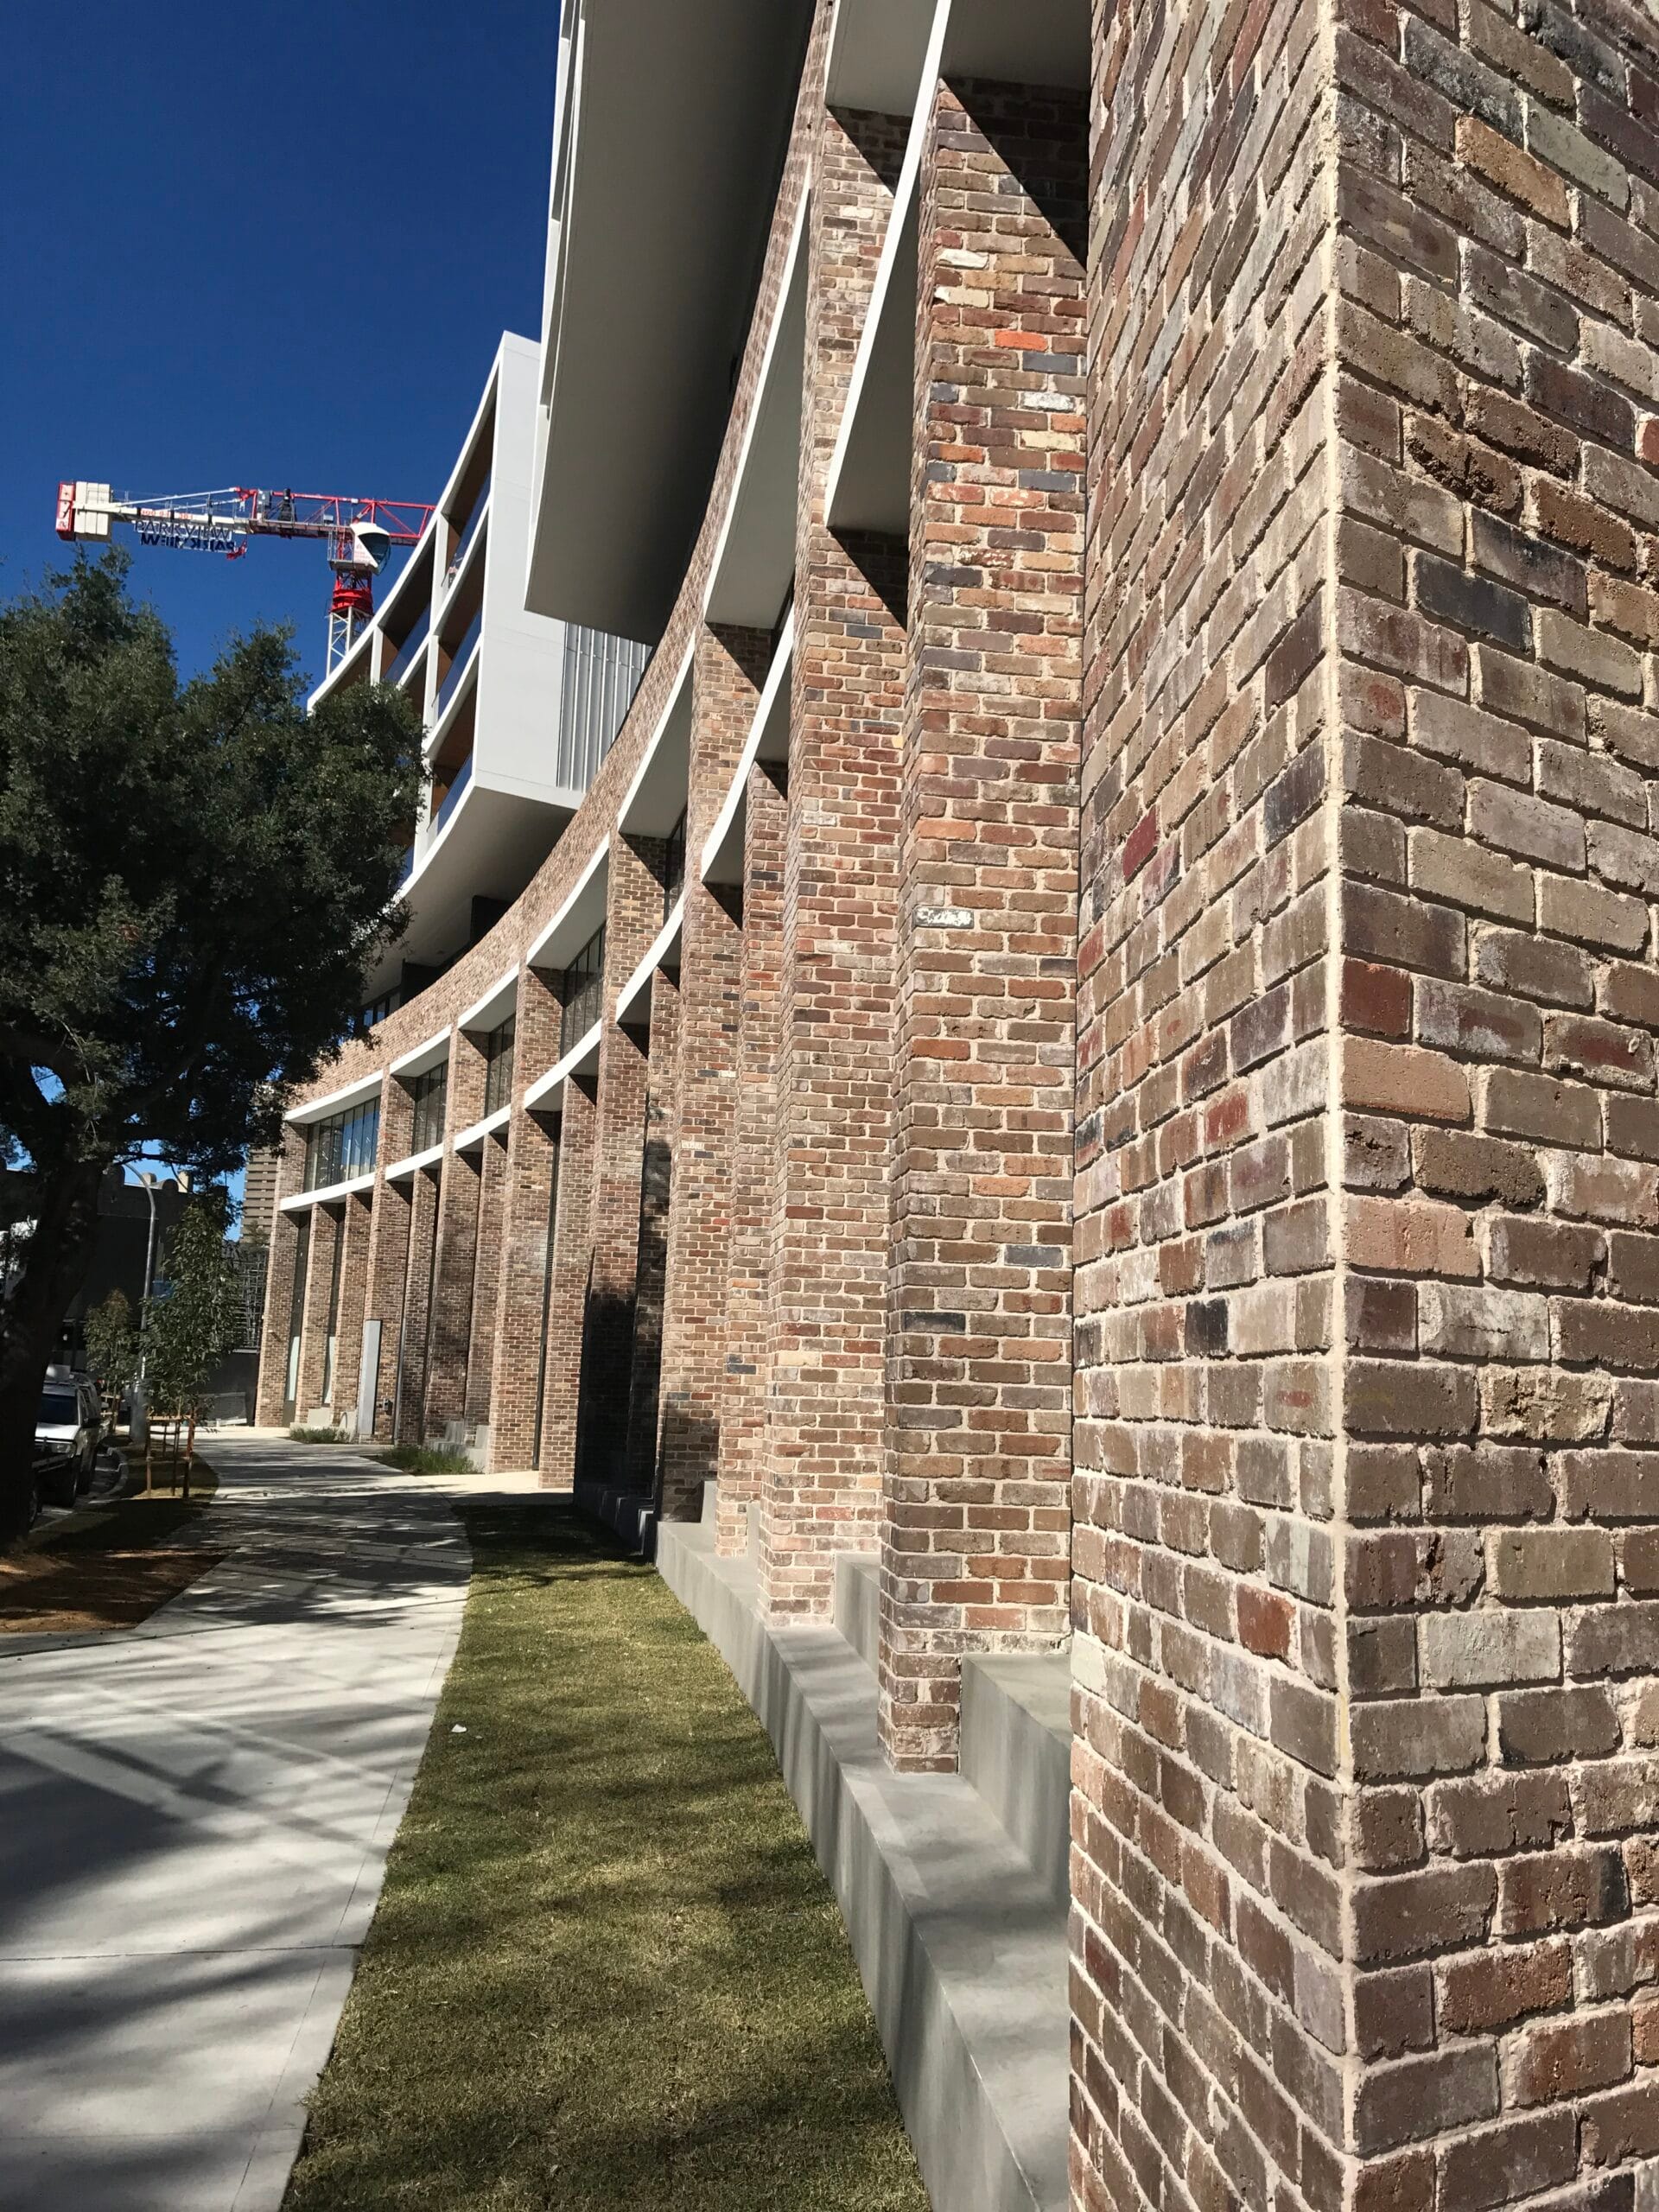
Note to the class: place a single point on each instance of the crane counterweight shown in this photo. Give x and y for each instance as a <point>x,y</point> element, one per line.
<point>359,535</point>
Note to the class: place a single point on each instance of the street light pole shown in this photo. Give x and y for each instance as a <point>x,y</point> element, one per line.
<point>148,1180</point>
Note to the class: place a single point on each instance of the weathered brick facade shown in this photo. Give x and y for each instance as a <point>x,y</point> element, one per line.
<point>726,679</point>
<point>977,1532</point>
<point>826,1297</point>
<point>1161,1148</point>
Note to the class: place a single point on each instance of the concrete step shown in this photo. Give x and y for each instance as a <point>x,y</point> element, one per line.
<point>631,1513</point>
<point>858,1602</point>
<point>961,1945</point>
<point>1016,1752</point>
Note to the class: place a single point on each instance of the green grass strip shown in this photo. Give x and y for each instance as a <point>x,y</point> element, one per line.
<point>426,1459</point>
<point>606,1971</point>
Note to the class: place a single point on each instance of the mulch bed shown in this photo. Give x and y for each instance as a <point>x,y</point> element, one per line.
<point>108,1569</point>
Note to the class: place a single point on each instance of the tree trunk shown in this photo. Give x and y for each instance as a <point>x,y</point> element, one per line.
<point>52,1267</point>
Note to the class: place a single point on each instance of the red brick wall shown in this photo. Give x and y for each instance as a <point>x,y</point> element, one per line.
<point>319,1284</point>
<point>1498,274</point>
<point>743,1387</point>
<point>834,1070</point>
<point>731,666</point>
<point>975,1541</point>
<point>414,1341</point>
<point>568,1281</point>
<point>454,1271</point>
<point>487,1277</point>
<point>656,1183</point>
<point>633,916</point>
<point>521,1291</point>
<point>1210,2029</point>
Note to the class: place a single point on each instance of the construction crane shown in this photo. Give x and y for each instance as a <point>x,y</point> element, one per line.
<point>359,534</point>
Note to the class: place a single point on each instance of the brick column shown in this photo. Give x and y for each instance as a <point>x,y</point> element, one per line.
<point>731,666</point>
<point>1496,613</point>
<point>389,1249</point>
<point>1366,1482</point>
<point>456,1261</point>
<point>1211,2031</point>
<point>319,1283</point>
<point>487,1277</point>
<point>633,915</point>
<point>650,1270</point>
<point>455,1274</point>
<point>413,1343</point>
<point>521,1294</point>
<point>975,1540</point>
<point>821,1494</point>
<point>743,1392</point>
<point>354,1297</point>
<point>571,1266</point>
<point>279,1284</point>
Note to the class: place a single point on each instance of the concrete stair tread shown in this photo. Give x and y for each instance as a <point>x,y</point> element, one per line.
<point>960,1941</point>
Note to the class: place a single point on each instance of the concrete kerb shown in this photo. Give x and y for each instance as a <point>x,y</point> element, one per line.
<point>960,1941</point>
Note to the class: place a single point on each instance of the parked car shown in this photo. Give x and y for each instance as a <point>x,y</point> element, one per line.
<point>67,1431</point>
<point>91,1396</point>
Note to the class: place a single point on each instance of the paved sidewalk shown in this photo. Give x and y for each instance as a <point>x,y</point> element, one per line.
<point>193,1822</point>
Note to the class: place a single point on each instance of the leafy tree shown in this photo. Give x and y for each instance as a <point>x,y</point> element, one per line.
<point>193,1320</point>
<point>112,1342</point>
<point>194,879</point>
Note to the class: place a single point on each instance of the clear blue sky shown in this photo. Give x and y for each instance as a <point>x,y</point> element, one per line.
<point>273,243</point>
<point>270,244</point>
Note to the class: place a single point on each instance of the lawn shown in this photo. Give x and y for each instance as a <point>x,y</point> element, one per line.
<point>606,1971</point>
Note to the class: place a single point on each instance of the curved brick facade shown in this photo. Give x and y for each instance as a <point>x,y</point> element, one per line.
<point>1149,1128</point>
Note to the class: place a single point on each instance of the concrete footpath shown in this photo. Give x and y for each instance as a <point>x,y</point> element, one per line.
<point>195,1817</point>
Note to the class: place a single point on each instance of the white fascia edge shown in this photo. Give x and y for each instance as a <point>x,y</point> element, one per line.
<point>427,1054</point>
<point>351,1094</point>
<point>762,389</point>
<point>329,1193</point>
<point>903,198</point>
<point>480,538</point>
<point>479,1130</point>
<point>457,700</point>
<point>777,675</point>
<point>413,1165</point>
<point>486,399</point>
<point>504,987</point>
<point>654,960</point>
<point>680,680</point>
<point>599,858</point>
<point>582,1050</point>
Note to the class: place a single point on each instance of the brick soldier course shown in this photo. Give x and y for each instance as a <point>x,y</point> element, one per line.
<point>1162,1148</point>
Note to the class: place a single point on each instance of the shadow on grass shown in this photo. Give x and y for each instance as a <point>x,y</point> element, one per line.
<point>606,1970</point>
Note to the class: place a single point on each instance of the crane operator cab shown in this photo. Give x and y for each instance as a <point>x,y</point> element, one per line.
<point>370,545</point>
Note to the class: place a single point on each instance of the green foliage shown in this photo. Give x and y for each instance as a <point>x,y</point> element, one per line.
<point>427,1460</point>
<point>193,879</point>
<point>112,1342</point>
<point>193,876</point>
<point>194,1323</point>
<point>318,1435</point>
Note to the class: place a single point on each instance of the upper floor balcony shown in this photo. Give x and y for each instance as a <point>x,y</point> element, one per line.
<point>518,709</point>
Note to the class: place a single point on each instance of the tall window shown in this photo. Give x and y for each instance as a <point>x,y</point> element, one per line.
<point>584,991</point>
<point>342,1146</point>
<point>430,1093</point>
<point>497,1048</point>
